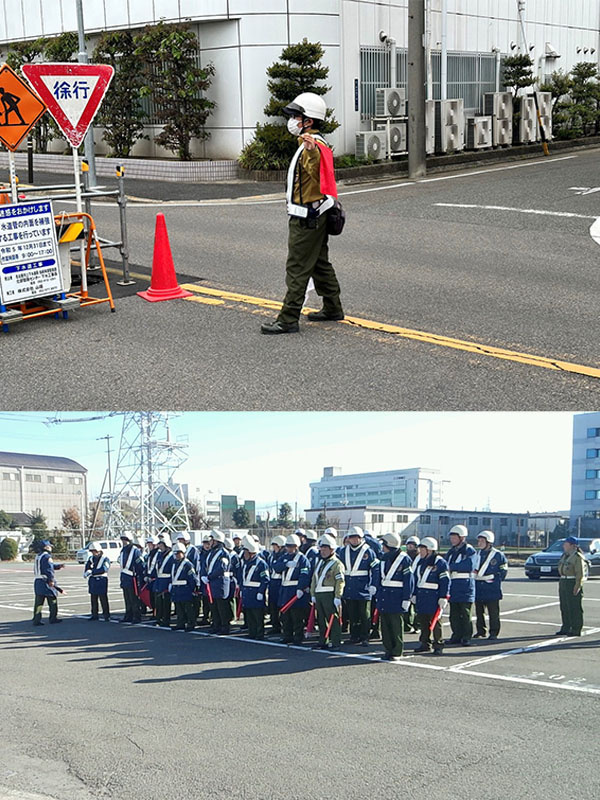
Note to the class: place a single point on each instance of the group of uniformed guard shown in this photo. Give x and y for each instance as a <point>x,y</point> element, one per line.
<point>366,586</point>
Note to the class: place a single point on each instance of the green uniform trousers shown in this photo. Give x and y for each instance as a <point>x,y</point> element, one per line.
<point>410,619</point>
<point>493,610</point>
<point>255,620</point>
<point>274,616</point>
<point>424,621</point>
<point>325,608</point>
<point>163,609</point>
<point>308,257</point>
<point>186,614</point>
<point>460,622</point>
<point>358,619</point>
<point>38,604</point>
<point>571,606</point>
<point>392,633</point>
<point>292,625</point>
<point>222,614</point>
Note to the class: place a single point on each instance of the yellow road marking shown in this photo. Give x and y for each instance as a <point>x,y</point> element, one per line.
<point>209,301</point>
<point>416,335</point>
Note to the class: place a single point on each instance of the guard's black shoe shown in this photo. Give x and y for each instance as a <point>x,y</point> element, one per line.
<point>364,643</point>
<point>493,636</point>
<point>323,316</point>
<point>38,623</point>
<point>55,621</point>
<point>466,642</point>
<point>561,633</point>
<point>94,618</point>
<point>395,658</point>
<point>422,649</point>
<point>479,636</point>
<point>279,327</point>
<point>438,651</point>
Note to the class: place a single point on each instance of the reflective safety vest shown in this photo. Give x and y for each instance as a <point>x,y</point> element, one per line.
<point>481,576</point>
<point>248,573</point>
<point>287,579</point>
<point>353,570</point>
<point>321,571</point>
<point>164,569</point>
<point>424,582</point>
<point>37,573</point>
<point>176,580</point>
<point>302,211</point>
<point>126,568</point>
<point>387,579</point>
<point>213,559</point>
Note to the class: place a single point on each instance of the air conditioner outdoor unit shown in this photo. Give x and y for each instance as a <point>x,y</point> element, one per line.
<point>545,106</point>
<point>528,124</point>
<point>371,144</point>
<point>397,136</point>
<point>502,132</point>
<point>390,102</point>
<point>498,104</point>
<point>430,127</point>
<point>449,125</point>
<point>479,133</point>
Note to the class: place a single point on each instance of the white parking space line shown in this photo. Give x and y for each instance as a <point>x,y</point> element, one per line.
<point>528,608</point>
<point>547,596</point>
<point>536,211</point>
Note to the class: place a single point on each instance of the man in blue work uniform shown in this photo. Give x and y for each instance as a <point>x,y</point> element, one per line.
<point>184,582</point>
<point>96,571</point>
<point>360,564</point>
<point>491,569</point>
<point>295,571</point>
<point>431,593</point>
<point>308,546</point>
<point>277,545</point>
<point>150,565</point>
<point>162,595</point>
<point>44,585</point>
<point>394,589</point>
<point>204,552</point>
<point>254,586</point>
<point>217,578</point>
<point>461,564</point>
<point>193,556</point>
<point>132,575</point>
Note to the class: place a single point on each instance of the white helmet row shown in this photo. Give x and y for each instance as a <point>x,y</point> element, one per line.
<point>355,531</point>
<point>184,535</point>
<point>166,540</point>
<point>311,535</point>
<point>178,547</point>
<point>392,539</point>
<point>94,546</point>
<point>327,541</point>
<point>229,545</point>
<point>413,540</point>
<point>151,539</point>
<point>278,540</point>
<point>430,543</point>
<point>292,540</point>
<point>250,544</point>
<point>331,532</point>
<point>487,535</point>
<point>217,535</point>
<point>308,104</point>
<point>459,530</point>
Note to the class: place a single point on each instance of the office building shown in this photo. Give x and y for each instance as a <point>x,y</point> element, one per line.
<point>585,474</point>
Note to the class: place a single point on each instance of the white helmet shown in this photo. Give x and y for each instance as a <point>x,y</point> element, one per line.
<point>392,539</point>
<point>311,535</point>
<point>459,530</point>
<point>327,541</point>
<point>255,537</point>
<point>355,531</point>
<point>331,532</point>
<point>151,539</point>
<point>250,544</point>
<point>217,535</point>
<point>429,542</point>
<point>206,537</point>
<point>228,543</point>
<point>487,535</point>
<point>166,540</point>
<point>94,546</point>
<point>184,535</point>
<point>279,540</point>
<point>292,539</point>
<point>178,548</point>
<point>300,532</point>
<point>308,104</point>
<point>413,540</point>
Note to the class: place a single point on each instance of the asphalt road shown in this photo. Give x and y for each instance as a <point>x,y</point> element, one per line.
<point>95,710</point>
<point>526,282</point>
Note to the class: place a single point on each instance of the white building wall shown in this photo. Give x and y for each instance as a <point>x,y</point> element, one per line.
<point>243,37</point>
<point>582,442</point>
<point>24,489</point>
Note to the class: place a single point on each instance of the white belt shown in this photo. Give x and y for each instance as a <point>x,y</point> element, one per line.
<point>568,577</point>
<point>179,583</point>
<point>461,575</point>
<point>302,211</point>
<point>325,589</point>
<point>252,585</point>
<point>126,572</point>
<point>164,575</point>
<point>361,573</point>
<point>389,582</point>
<point>289,583</point>
<point>485,578</point>
<point>428,586</point>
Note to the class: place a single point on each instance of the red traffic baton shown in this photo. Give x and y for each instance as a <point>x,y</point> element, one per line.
<point>209,593</point>
<point>435,619</point>
<point>310,625</point>
<point>288,605</point>
<point>329,626</point>
<point>375,619</point>
<point>239,604</point>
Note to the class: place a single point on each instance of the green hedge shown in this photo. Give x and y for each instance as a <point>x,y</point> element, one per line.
<point>8,549</point>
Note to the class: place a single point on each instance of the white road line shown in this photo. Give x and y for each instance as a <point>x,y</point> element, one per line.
<point>545,596</point>
<point>531,682</point>
<point>529,608</point>
<point>537,211</point>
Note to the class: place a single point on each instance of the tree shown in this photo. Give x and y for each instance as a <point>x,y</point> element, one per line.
<point>559,85</point>
<point>39,528</point>
<point>121,113</point>
<point>8,549</point>
<point>241,517</point>
<point>59,543</point>
<point>71,519</point>
<point>62,48</point>
<point>585,91</point>
<point>198,521</point>
<point>298,70</point>
<point>517,73</point>
<point>176,84</point>
<point>5,521</point>
<point>284,516</point>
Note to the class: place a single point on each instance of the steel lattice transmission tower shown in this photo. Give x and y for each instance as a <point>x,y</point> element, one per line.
<point>146,463</point>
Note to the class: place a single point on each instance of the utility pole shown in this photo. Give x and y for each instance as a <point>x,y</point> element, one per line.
<point>82,57</point>
<point>108,437</point>
<point>417,157</point>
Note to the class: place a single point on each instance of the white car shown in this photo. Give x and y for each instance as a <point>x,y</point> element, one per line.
<point>110,547</point>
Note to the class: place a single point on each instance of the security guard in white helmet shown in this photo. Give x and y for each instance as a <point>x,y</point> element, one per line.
<point>310,178</point>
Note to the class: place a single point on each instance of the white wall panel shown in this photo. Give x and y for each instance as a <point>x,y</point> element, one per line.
<point>32,16</point>
<point>315,28</point>
<point>238,7</point>
<point>116,13</point>
<point>258,29</point>
<point>69,15</point>
<point>255,61</point>
<point>93,15</point>
<point>168,9</point>
<point>140,12</point>
<point>203,8</point>
<point>14,21</point>
<point>219,34</point>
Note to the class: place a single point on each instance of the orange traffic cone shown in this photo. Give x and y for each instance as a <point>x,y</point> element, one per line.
<point>163,285</point>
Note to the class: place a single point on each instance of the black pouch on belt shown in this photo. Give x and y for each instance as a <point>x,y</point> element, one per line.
<point>336,219</point>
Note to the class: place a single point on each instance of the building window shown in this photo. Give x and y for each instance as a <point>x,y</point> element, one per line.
<point>401,517</point>
<point>425,519</point>
<point>33,478</point>
<point>55,479</point>
<point>592,452</point>
<point>473,520</point>
<point>591,474</point>
<point>592,433</point>
<point>591,494</point>
<point>520,523</point>
<point>444,520</point>
<point>75,481</point>
<point>504,521</point>
<point>486,521</point>
<point>592,514</point>
<point>9,476</point>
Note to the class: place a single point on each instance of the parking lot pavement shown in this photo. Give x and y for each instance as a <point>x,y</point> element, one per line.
<point>122,711</point>
<point>526,652</point>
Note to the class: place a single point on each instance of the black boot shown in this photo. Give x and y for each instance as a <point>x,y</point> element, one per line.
<point>279,327</point>
<point>322,316</point>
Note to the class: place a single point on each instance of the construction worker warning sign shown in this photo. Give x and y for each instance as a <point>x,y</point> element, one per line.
<point>72,92</point>
<point>20,108</point>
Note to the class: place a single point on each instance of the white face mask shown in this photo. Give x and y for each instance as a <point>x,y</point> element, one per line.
<point>294,127</point>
